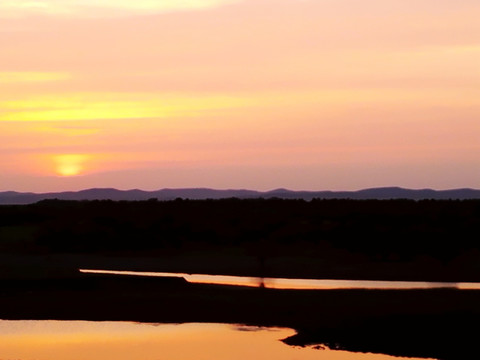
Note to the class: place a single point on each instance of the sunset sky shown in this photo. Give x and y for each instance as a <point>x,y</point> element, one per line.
<point>258,94</point>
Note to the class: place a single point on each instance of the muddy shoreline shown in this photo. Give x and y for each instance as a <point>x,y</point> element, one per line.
<point>434,323</point>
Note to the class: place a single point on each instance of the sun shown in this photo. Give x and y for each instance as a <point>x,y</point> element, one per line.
<point>70,164</point>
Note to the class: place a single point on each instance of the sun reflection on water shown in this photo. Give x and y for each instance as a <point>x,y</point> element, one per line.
<point>80,340</point>
<point>297,284</point>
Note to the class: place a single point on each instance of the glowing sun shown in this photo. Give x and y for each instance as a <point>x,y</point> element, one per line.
<point>70,164</point>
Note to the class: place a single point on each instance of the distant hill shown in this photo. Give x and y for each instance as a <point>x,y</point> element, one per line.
<point>18,198</point>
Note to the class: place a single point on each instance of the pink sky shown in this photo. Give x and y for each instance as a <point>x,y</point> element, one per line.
<point>259,94</point>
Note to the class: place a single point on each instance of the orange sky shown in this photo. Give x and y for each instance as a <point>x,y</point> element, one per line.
<point>302,94</point>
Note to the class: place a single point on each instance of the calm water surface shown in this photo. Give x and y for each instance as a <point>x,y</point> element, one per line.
<point>80,340</point>
<point>280,283</point>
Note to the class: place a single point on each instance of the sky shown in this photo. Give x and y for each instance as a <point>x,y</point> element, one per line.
<point>257,94</point>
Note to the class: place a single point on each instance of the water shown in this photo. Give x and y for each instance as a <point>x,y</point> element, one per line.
<point>281,283</point>
<point>80,340</point>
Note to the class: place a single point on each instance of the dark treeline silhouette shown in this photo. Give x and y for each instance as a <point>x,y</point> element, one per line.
<point>336,238</point>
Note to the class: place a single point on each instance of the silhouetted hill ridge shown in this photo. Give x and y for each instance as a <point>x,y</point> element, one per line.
<point>381,193</point>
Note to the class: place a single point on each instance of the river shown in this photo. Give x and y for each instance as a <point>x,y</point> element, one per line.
<point>298,284</point>
<point>80,340</point>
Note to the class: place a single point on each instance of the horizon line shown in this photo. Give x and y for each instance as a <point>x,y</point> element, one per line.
<point>242,189</point>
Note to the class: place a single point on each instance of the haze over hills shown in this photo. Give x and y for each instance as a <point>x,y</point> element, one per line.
<point>383,193</point>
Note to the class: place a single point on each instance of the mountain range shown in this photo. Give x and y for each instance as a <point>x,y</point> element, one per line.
<point>382,193</point>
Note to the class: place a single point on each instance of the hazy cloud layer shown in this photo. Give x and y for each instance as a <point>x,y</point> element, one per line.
<point>101,8</point>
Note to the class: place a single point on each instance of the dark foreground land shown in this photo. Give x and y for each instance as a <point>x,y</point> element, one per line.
<point>43,245</point>
<point>436,323</point>
<point>436,240</point>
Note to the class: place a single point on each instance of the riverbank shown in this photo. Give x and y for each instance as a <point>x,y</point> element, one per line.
<point>423,323</point>
<point>43,245</point>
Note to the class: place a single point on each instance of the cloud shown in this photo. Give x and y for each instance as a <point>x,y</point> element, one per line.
<point>14,77</point>
<point>102,8</point>
<point>96,106</point>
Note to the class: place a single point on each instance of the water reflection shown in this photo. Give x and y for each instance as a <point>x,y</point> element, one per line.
<point>298,284</point>
<point>80,340</point>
